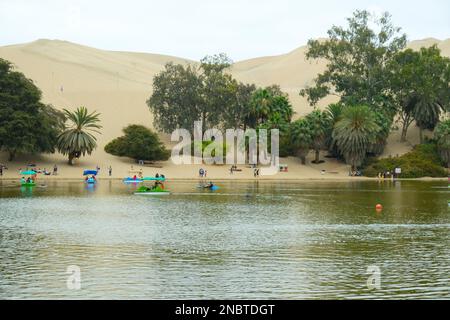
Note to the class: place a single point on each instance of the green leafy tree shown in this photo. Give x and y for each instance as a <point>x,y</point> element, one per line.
<point>219,95</point>
<point>216,63</point>
<point>78,138</point>
<point>26,124</point>
<point>421,85</point>
<point>139,143</point>
<point>442,136</point>
<point>357,57</point>
<point>184,94</point>
<point>319,124</point>
<point>236,114</point>
<point>355,133</point>
<point>176,101</point>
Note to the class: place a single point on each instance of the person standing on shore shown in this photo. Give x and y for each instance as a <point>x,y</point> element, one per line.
<point>110,171</point>
<point>55,170</point>
<point>1,170</point>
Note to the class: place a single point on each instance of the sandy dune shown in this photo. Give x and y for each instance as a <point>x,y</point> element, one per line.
<point>117,84</point>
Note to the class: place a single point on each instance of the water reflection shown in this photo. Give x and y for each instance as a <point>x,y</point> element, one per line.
<point>248,240</point>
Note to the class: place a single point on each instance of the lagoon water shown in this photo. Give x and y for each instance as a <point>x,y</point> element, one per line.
<point>249,240</point>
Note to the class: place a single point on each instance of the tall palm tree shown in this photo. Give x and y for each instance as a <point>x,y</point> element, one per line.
<point>319,123</point>
<point>427,112</point>
<point>260,106</point>
<point>301,138</point>
<point>355,133</point>
<point>334,112</point>
<point>78,138</point>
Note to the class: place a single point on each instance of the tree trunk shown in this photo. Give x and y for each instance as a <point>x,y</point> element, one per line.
<point>406,122</point>
<point>71,157</point>
<point>317,156</point>
<point>303,159</point>
<point>421,135</point>
<point>404,132</point>
<point>12,155</point>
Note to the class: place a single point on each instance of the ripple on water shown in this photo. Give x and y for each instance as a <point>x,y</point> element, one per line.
<point>269,243</point>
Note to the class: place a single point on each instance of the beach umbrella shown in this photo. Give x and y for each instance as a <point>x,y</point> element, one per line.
<point>28,173</point>
<point>90,172</point>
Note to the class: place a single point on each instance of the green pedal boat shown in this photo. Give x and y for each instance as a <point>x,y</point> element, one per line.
<point>28,184</point>
<point>147,191</point>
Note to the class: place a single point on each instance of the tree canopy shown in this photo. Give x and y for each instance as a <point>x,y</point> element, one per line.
<point>26,124</point>
<point>420,82</point>
<point>78,138</point>
<point>357,57</point>
<point>442,136</point>
<point>354,133</point>
<point>184,94</point>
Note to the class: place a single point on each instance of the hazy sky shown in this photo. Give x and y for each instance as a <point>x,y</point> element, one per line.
<point>193,28</point>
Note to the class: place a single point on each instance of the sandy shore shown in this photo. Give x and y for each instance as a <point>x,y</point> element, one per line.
<point>330,170</point>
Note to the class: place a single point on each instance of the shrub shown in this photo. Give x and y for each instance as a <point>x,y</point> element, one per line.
<point>139,143</point>
<point>222,151</point>
<point>422,161</point>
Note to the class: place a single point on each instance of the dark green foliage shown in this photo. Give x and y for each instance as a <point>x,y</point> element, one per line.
<point>301,136</point>
<point>319,124</point>
<point>26,124</point>
<point>422,161</point>
<point>269,105</point>
<point>78,138</point>
<point>334,112</point>
<point>420,82</point>
<point>355,133</point>
<point>357,58</point>
<point>222,148</point>
<point>176,101</point>
<point>442,136</point>
<point>182,95</point>
<point>139,143</point>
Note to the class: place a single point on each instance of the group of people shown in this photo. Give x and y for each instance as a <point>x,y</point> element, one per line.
<point>355,173</point>
<point>387,175</point>
<point>45,172</point>
<point>92,177</point>
<point>27,180</point>
<point>234,168</point>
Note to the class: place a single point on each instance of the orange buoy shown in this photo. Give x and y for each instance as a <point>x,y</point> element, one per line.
<point>379,207</point>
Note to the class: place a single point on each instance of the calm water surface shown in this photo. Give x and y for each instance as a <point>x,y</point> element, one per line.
<point>266,240</point>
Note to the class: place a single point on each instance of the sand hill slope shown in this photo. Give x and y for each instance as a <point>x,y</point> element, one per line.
<point>117,84</point>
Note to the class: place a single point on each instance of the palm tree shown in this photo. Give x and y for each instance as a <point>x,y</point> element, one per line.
<point>259,107</point>
<point>442,135</point>
<point>427,112</point>
<point>301,138</point>
<point>355,133</point>
<point>334,112</point>
<point>319,123</point>
<point>78,139</point>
